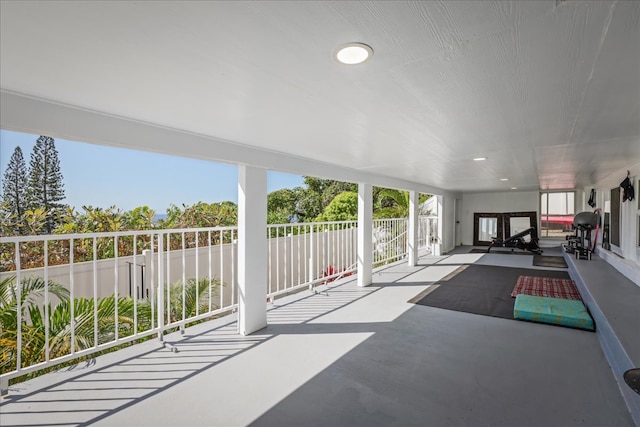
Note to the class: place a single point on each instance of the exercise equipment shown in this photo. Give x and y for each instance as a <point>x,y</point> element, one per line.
<point>580,243</point>
<point>518,241</point>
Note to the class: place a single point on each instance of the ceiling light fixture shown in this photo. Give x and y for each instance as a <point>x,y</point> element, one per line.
<point>514,188</point>
<point>479,159</point>
<point>353,53</point>
<point>504,179</point>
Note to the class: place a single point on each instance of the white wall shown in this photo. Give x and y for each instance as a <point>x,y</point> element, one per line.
<point>521,201</point>
<point>449,223</point>
<point>629,249</point>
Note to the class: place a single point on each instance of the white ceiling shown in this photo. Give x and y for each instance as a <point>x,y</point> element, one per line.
<point>549,91</point>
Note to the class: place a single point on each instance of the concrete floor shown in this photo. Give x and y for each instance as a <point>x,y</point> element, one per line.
<point>353,357</point>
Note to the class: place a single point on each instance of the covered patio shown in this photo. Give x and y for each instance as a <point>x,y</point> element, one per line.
<point>351,357</point>
<point>490,106</point>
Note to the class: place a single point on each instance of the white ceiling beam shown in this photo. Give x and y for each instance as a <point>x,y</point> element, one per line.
<point>27,114</point>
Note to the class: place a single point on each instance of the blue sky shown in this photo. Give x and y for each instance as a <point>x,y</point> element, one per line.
<point>102,176</point>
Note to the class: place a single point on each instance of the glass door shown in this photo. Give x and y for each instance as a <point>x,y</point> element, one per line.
<point>557,210</point>
<point>489,226</point>
<point>486,227</point>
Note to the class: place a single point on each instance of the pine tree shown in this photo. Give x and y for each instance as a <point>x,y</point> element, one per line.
<point>46,188</point>
<point>14,187</point>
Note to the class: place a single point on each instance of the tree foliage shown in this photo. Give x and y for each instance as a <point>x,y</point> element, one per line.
<point>395,203</point>
<point>343,207</point>
<point>319,194</point>
<point>81,315</point>
<point>283,205</point>
<point>92,220</point>
<point>8,226</point>
<point>201,214</point>
<point>387,203</point>
<point>32,291</point>
<point>14,189</point>
<point>46,188</point>
<point>195,299</point>
<point>140,218</point>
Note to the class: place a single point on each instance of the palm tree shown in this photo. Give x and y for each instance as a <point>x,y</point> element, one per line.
<point>197,296</point>
<point>85,331</point>
<point>400,207</point>
<point>32,290</point>
<point>93,324</point>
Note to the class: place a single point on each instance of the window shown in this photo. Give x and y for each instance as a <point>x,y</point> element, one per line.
<point>488,229</point>
<point>486,226</point>
<point>489,226</point>
<point>518,225</point>
<point>614,219</point>
<point>557,210</point>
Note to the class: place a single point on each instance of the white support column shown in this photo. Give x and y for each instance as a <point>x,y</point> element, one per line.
<point>365,234</point>
<point>252,249</point>
<point>412,237</point>
<point>437,247</point>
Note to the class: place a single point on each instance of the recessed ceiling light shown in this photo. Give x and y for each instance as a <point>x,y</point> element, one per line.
<point>514,188</point>
<point>354,53</point>
<point>479,159</point>
<point>504,179</point>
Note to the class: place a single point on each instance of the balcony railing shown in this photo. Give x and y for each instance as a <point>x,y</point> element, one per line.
<point>81,294</point>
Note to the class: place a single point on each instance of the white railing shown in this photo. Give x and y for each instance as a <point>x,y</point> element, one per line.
<point>85,293</point>
<point>427,233</point>
<point>389,240</point>
<point>306,254</point>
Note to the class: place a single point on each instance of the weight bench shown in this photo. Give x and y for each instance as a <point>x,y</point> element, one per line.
<point>517,241</point>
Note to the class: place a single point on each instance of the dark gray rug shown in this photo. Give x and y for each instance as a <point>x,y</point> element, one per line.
<point>500,251</point>
<point>479,289</point>
<point>549,261</point>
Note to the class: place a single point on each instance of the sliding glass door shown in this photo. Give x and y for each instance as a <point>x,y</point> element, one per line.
<point>557,210</point>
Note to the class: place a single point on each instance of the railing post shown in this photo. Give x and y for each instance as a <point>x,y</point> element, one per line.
<point>433,236</point>
<point>311,256</point>
<point>18,310</point>
<point>290,256</point>
<point>413,229</point>
<point>326,254</point>
<point>160,288</point>
<point>4,387</point>
<point>146,278</point>
<point>439,227</point>
<point>234,273</point>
